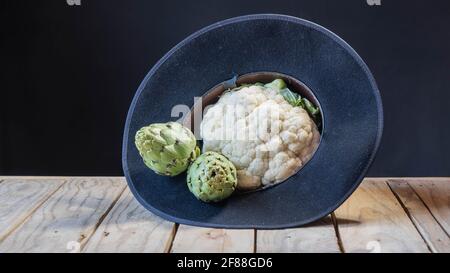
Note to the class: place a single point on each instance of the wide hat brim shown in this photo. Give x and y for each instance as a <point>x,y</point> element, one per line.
<point>340,80</point>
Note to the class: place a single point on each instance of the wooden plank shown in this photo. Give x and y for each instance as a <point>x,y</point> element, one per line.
<point>426,224</point>
<point>317,237</point>
<point>68,218</point>
<point>372,220</point>
<point>20,197</point>
<point>436,196</point>
<point>196,239</point>
<point>434,178</point>
<point>129,227</point>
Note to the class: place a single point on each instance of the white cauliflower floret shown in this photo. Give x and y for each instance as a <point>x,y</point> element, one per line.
<point>265,137</point>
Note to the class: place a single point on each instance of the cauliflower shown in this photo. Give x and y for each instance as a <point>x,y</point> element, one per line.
<point>262,134</point>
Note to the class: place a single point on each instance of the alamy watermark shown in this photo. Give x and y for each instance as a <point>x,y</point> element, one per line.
<point>373,2</point>
<point>73,2</point>
<point>73,247</point>
<point>231,121</point>
<point>373,247</point>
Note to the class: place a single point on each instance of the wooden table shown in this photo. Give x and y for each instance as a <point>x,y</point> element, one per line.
<point>99,214</point>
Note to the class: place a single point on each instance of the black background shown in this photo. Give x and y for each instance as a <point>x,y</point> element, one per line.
<point>68,74</point>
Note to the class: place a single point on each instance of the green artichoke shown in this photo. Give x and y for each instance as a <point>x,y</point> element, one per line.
<point>212,177</point>
<point>167,148</point>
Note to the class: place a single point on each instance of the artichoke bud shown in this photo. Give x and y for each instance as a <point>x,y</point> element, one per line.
<point>166,148</point>
<point>157,138</point>
<point>212,177</point>
<point>168,135</point>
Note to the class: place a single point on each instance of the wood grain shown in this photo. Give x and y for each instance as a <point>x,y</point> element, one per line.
<point>68,218</point>
<point>436,196</point>
<point>433,234</point>
<point>195,239</point>
<point>47,214</point>
<point>131,228</point>
<point>317,237</point>
<point>20,197</point>
<point>372,220</point>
